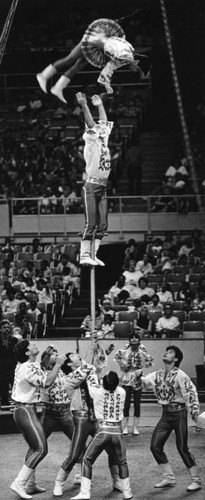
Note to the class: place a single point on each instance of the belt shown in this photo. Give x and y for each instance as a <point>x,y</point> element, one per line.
<point>80,413</point>
<point>174,406</point>
<point>94,180</point>
<point>105,423</point>
<point>18,404</point>
<point>53,406</point>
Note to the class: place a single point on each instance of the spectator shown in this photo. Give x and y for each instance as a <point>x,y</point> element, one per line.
<point>10,304</point>
<point>165,294</point>
<point>22,328</point>
<point>168,326</point>
<point>29,271</point>
<point>144,324</point>
<point>86,326</point>
<point>185,292</point>
<point>142,293</point>
<point>106,308</point>
<point>34,309</point>
<point>132,276</point>
<point>131,252</point>
<point>186,248</point>
<point>199,302</point>
<point>7,361</point>
<point>144,265</point>
<point>116,289</point>
<point>154,304</point>
<point>107,328</point>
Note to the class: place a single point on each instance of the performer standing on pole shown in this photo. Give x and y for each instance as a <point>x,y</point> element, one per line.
<point>94,192</point>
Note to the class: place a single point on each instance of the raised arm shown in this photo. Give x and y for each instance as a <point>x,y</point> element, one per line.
<point>82,101</point>
<point>97,101</point>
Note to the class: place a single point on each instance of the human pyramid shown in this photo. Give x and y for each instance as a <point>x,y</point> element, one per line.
<point>82,397</point>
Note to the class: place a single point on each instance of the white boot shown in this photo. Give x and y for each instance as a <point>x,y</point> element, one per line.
<point>114,471</point>
<point>19,484</point>
<point>32,487</point>
<point>61,84</point>
<point>98,261</point>
<point>59,482</point>
<point>169,478</point>
<point>46,74</point>
<point>84,493</point>
<point>126,488</point>
<point>125,426</point>
<point>135,426</point>
<point>85,258</point>
<point>78,474</point>
<point>196,481</point>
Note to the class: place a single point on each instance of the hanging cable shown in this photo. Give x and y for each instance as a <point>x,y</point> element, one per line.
<point>6,28</point>
<point>185,132</point>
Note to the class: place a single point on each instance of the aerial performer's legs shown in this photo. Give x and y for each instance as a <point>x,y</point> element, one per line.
<point>104,46</point>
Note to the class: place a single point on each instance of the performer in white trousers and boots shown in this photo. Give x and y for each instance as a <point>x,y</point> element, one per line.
<point>94,192</point>
<point>28,379</point>
<point>177,395</point>
<point>108,401</point>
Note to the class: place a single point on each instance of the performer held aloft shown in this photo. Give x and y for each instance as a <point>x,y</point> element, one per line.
<point>28,380</point>
<point>177,395</point>
<point>94,191</point>
<point>104,46</point>
<point>108,401</point>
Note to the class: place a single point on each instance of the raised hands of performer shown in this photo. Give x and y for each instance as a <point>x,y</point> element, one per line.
<point>82,101</point>
<point>97,101</point>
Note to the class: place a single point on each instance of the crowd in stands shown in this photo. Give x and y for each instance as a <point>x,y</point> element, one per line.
<point>36,282</point>
<point>157,292</point>
<point>161,295</point>
<point>41,149</point>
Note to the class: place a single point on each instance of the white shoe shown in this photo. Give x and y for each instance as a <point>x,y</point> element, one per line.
<point>58,92</point>
<point>135,431</point>
<point>87,261</point>
<point>125,431</point>
<point>194,486</point>
<point>117,486</point>
<point>58,489</point>
<point>99,262</point>
<point>77,479</point>
<point>20,490</point>
<point>42,82</point>
<point>165,483</point>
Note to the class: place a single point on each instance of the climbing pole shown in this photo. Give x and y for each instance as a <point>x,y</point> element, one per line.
<point>185,132</point>
<point>6,28</point>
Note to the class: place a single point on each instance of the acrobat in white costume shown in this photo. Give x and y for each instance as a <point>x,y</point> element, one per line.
<point>104,46</point>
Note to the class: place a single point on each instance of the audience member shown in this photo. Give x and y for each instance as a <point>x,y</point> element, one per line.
<point>144,265</point>
<point>7,361</point>
<point>168,326</point>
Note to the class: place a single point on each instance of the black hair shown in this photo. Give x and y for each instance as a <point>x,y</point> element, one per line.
<point>134,334</point>
<point>20,350</point>
<point>178,353</point>
<point>65,367</point>
<point>110,381</point>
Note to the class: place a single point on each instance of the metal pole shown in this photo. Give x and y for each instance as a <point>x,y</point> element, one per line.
<point>92,287</point>
<point>6,29</point>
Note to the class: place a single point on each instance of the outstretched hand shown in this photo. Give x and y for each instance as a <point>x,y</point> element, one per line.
<point>81,98</point>
<point>96,100</point>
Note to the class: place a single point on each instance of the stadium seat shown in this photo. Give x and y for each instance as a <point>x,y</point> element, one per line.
<point>197,315</point>
<point>128,316</point>
<point>122,329</point>
<point>155,315</point>
<point>196,327</point>
<point>181,315</point>
<point>178,305</point>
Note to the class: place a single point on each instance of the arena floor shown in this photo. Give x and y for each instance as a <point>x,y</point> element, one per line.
<point>143,469</point>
